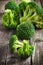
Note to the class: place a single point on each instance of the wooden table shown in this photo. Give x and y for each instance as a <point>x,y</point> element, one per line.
<point>6,58</point>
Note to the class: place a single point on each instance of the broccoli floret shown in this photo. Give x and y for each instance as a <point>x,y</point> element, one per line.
<point>22,7</point>
<point>37,8</point>
<point>13,38</point>
<point>34,14</point>
<point>25,30</point>
<point>13,6</point>
<point>23,48</point>
<point>8,19</point>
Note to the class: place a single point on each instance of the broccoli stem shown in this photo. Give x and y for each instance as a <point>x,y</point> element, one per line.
<point>29,15</point>
<point>18,43</point>
<point>29,18</point>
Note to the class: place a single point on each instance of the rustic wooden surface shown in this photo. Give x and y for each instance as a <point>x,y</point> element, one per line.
<point>37,40</point>
<point>6,58</point>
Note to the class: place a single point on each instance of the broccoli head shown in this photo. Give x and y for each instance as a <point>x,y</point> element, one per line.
<point>25,30</point>
<point>26,50</point>
<point>22,7</point>
<point>34,14</point>
<point>23,49</point>
<point>13,6</point>
<point>8,19</point>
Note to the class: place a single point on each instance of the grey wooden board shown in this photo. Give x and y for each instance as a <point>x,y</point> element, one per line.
<point>37,57</point>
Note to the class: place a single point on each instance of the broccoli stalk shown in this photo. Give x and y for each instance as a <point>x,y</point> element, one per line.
<point>28,17</point>
<point>17,45</point>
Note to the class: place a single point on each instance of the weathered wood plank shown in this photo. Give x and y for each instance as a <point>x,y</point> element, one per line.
<point>2,6</point>
<point>38,1</point>
<point>37,57</point>
<point>41,2</point>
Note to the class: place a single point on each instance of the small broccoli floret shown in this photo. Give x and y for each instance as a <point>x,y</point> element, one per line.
<point>23,48</point>
<point>28,49</point>
<point>13,38</point>
<point>37,7</point>
<point>8,19</point>
<point>34,14</point>
<point>22,7</point>
<point>13,6</point>
<point>25,30</point>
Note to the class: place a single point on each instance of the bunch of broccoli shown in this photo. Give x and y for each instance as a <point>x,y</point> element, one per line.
<point>33,13</point>
<point>25,11</point>
<point>23,17</point>
<point>23,49</point>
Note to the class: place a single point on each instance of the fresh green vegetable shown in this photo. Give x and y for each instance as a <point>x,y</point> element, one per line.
<point>12,5</point>
<point>8,19</point>
<point>25,30</point>
<point>22,7</point>
<point>23,49</point>
<point>34,14</point>
<point>13,38</point>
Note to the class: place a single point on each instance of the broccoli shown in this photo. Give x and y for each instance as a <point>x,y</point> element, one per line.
<point>8,19</point>
<point>34,14</point>
<point>26,50</point>
<point>25,30</point>
<point>23,48</point>
<point>13,38</point>
<point>15,8</point>
<point>22,7</point>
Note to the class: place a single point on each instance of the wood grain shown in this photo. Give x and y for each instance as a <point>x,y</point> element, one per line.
<point>37,57</point>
